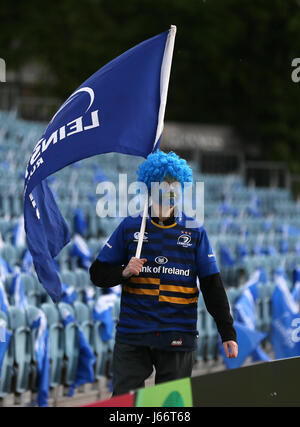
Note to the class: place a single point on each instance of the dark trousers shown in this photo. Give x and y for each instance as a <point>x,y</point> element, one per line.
<point>132,365</point>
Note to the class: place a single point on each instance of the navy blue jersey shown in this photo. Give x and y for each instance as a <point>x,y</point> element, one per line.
<point>165,294</point>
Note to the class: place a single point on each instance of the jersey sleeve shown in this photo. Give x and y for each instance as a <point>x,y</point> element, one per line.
<point>114,250</point>
<point>205,257</point>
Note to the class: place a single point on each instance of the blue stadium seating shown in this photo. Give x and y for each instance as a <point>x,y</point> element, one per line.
<point>240,223</point>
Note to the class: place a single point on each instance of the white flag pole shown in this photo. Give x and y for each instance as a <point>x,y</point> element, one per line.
<point>164,85</point>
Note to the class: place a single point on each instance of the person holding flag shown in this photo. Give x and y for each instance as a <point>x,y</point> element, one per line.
<point>118,109</point>
<point>158,312</point>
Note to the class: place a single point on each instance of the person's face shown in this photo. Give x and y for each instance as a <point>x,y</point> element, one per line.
<point>166,196</point>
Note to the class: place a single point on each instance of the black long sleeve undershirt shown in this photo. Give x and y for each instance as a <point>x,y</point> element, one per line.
<point>217,305</point>
<point>105,275</point>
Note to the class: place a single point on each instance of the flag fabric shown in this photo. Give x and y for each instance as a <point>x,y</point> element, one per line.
<point>5,337</point>
<point>69,295</point>
<point>248,340</point>
<point>245,310</point>
<point>271,250</point>
<point>89,294</point>
<point>17,292</point>
<point>79,222</point>
<point>85,368</point>
<point>227,259</point>
<point>120,109</point>
<point>117,290</point>
<point>296,285</point>
<point>41,347</point>
<point>103,312</point>
<point>27,262</point>
<point>19,236</point>
<point>258,250</point>
<point>285,320</point>
<point>4,304</point>
<point>81,250</point>
<point>242,250</point>
<point>253,208</point>
<point>99,176</point>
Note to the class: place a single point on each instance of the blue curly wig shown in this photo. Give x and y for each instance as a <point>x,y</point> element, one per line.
<point>159,164</point>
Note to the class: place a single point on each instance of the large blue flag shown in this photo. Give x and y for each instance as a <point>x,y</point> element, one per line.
<point>120,109</point>
<point>285,320</point>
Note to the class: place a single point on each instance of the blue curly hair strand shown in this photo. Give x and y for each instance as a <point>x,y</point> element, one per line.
<point>160,164</point>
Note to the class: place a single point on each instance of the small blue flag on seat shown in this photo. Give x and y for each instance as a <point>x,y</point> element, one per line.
<point>17,292</point>
<point>227,259</point>
<point>69,295</point>
<point>41,347</point>
<point>245,310</point>
<point>79,222</point>
<point>285,336</point>
<point>86,360</point>
<point>103,312</point>
<point>4,304</point>
<point>81,250</point>
<point>27,263</point>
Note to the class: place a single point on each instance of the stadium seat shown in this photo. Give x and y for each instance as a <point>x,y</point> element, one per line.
<point>94,246</point>
<point>83,317</point>
<point>212,338</point>
<point>9,253</point>
<point>56,343</point>
<point>5,226</point>
<point>40,290</point>
<point>71,346</point>
<point>30,289</point>
<point>265,294</point>
<point>68,277</point>
<point>116,310</point>
<point>21,347</point>
<point>101,350</point>
<point>82,282</point>
<point>7,370</point>
<point>31,315</point>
